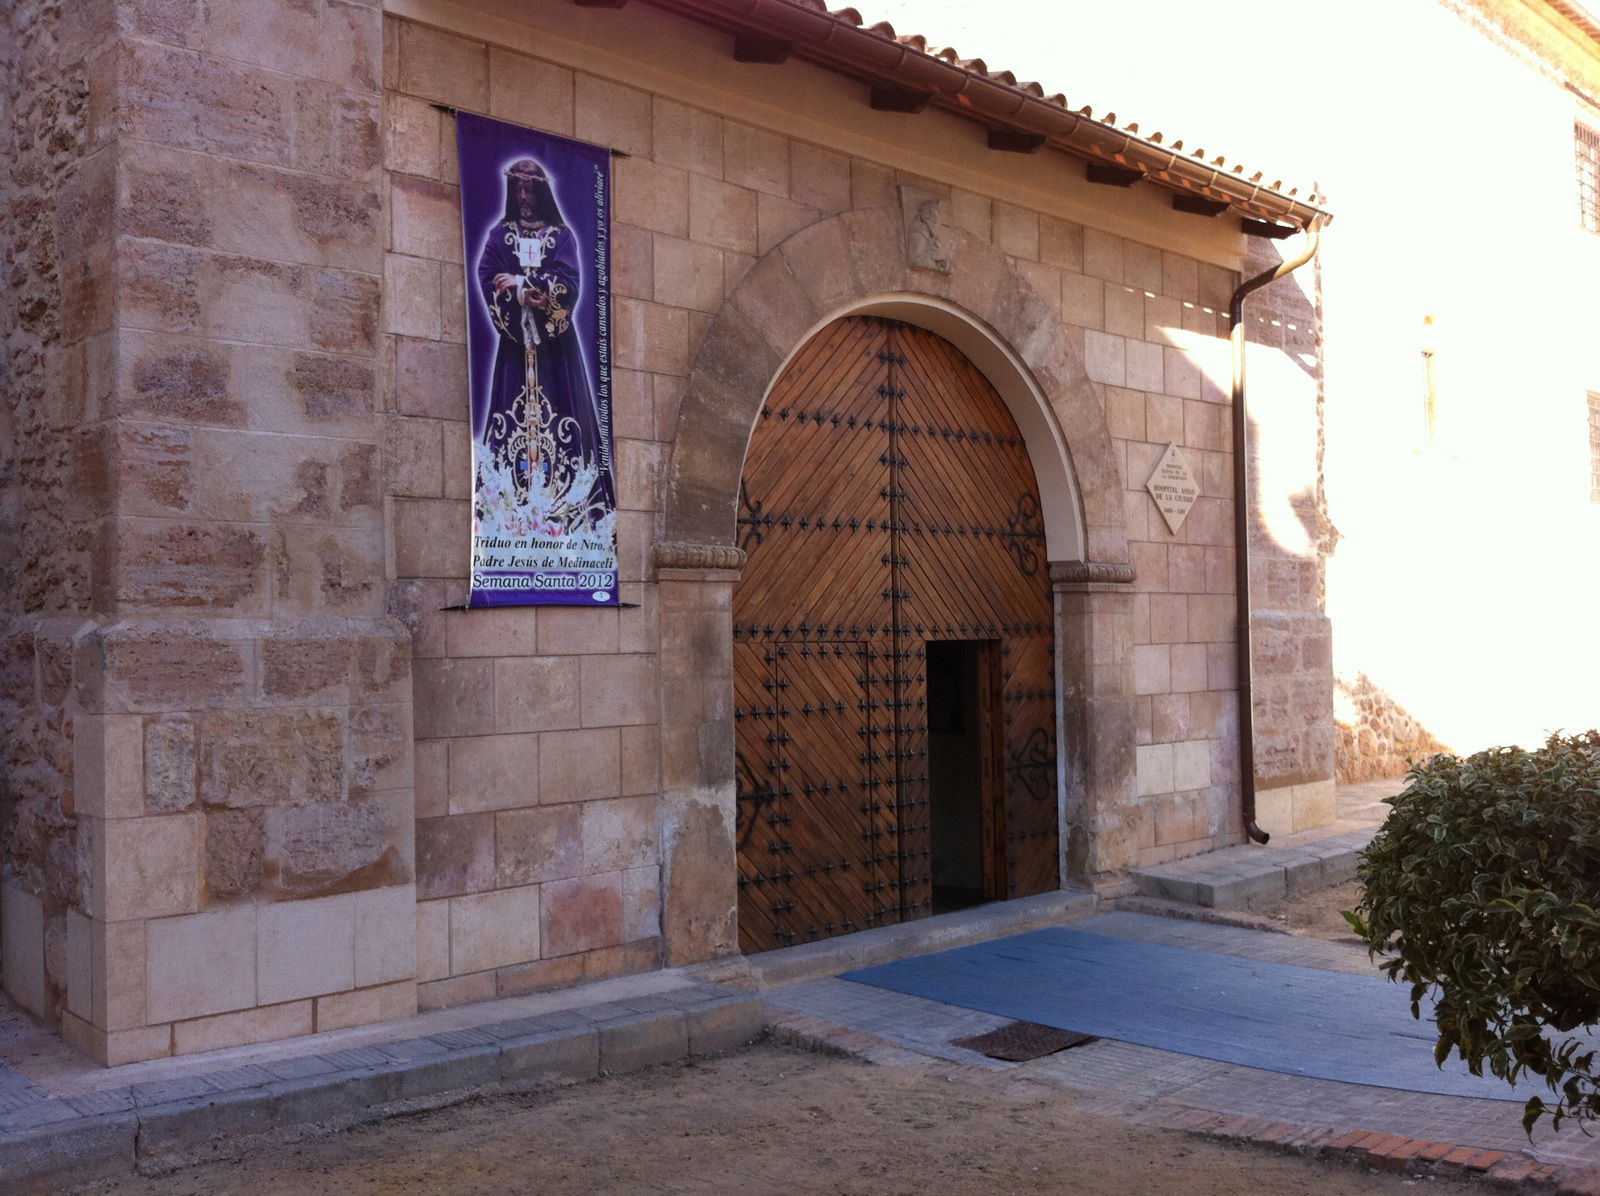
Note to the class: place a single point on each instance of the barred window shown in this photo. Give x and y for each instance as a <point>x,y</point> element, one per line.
<point>1586,142</point>
<point>1594,446</point>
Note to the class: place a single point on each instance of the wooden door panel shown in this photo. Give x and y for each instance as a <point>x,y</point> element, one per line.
<point>1032,814</point>
<point>887,500</point>
<point>759,792</point>
<point>841,830</point>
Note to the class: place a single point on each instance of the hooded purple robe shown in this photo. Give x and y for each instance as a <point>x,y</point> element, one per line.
<point>539,420</point>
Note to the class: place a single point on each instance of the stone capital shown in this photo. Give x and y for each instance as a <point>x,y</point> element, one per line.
<point>1087,573</point>
<point>704,558</point>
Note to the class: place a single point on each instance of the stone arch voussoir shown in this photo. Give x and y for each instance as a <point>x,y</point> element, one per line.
<point>854,263</point>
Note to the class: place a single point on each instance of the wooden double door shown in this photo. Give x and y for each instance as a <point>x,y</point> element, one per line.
<point>893,644</point>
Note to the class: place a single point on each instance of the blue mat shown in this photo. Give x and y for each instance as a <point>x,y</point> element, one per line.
<point>1277,1017</point>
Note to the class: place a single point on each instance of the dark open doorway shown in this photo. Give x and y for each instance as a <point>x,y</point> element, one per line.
<point>964,779</point>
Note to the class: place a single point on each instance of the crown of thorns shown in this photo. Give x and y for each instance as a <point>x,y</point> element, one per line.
<point>525,168</point>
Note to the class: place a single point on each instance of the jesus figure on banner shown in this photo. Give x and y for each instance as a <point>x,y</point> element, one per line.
<point>540,468</point>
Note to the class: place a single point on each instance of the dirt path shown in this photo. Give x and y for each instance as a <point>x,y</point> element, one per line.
<point>1317,914</point>
<point>768,1120</point>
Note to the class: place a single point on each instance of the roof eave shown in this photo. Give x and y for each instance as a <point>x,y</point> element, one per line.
<point>874,56</point>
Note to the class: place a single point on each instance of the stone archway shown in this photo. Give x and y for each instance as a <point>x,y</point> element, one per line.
<point>855,262</point>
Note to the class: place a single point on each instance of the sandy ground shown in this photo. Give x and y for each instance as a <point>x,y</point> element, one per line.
<point>1317,914</point>
<point>770,1119</point>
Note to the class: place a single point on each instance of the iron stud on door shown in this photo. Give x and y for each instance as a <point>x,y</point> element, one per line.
<point>855,558</point>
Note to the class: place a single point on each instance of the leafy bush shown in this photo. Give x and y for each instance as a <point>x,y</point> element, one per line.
<point>1485,883</point>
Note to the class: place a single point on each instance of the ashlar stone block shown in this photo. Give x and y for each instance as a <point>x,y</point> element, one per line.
<point>541,844</point>
<point>619,691</point>
<point>433,940</point>
<point>454,697</point>
<point>145,867</point>
<point>1154,765</point>
<point>440,66</point>
<point>493,930</point>
<point>582,914</point>
<point>579,765</point>
<point>424,219</point>
<point>412,136</point>
<point>305,948</point>
<point>265,1024</point>
<point>1191,765</point>
<point>201,964</point>
<point>686,274</point>
<point>22,964</point>
<point>536,693</point>
<point>655,197</point>
<point>385,935</point>
<point>455,855</point>
<point>529,92</point>
<point>641,904</point>
<point>611,114</point>
<point>688,138</point>
<point>270,757</point>
<point>619,834</point>
<point>108,765</point>
<point>496,631</point>
<point>362,1007</point>
<point>722,214</point>
<point>494,772</point>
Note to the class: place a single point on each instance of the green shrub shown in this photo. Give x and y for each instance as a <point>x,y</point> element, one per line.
<point>1484,884</point>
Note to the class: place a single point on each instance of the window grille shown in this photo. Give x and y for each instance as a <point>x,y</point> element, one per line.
<point>1594,446</point>
<point>1586,143</point>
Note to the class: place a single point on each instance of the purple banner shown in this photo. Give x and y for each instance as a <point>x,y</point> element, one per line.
<point>536,220</point>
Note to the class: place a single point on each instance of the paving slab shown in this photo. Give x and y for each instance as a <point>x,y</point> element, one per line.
<point>191,1107</point>
<point>1217,1099</point>
<point>63,1119</point>
<point>1253,876</point>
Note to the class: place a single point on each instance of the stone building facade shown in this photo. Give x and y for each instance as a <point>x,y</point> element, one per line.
<point>263,776</point>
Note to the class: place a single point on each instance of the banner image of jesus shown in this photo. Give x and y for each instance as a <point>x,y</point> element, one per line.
<point>544,511</point>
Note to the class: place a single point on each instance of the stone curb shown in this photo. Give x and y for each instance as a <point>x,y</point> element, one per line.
<point>1374,1149</point>
<point>1249,877</point>
<point>48,1142</point>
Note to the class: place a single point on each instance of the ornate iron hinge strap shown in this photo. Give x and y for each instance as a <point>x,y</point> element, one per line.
<point>1033,766</point>
<point>1026,533</point>
<point>754,522</point>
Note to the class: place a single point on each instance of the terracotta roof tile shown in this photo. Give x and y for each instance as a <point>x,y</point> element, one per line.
<point>1004,103</point>
<point>977,66</point>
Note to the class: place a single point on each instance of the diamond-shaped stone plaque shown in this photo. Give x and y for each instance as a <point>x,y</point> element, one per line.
<point>1173,487</point>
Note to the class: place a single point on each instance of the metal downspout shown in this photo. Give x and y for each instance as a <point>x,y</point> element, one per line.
<point>1241,526</point>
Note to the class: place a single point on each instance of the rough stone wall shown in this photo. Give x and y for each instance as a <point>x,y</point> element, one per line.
<point>1375,736</point>
<point>239,703</point>
<point>54,237</point>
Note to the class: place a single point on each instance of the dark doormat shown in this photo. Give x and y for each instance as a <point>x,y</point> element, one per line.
<point>1020,1041</point>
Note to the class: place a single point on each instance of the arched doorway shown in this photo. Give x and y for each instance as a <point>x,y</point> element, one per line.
<point>894,695</point>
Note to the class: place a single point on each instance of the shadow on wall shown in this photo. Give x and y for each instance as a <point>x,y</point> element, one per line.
<point>1292,538</point>
<point>1374,736</point>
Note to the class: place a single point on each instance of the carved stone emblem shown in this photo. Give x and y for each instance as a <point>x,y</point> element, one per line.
<point>926,216</point>
<point>1173,487</point>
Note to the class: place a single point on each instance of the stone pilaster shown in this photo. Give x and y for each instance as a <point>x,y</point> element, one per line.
<point>242,702</point>
<point>698,817</point>
<point>1094,684</point>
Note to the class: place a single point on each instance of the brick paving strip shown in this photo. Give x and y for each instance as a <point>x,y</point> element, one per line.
<point>1391,1152</point>
<point>48,1139</point>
